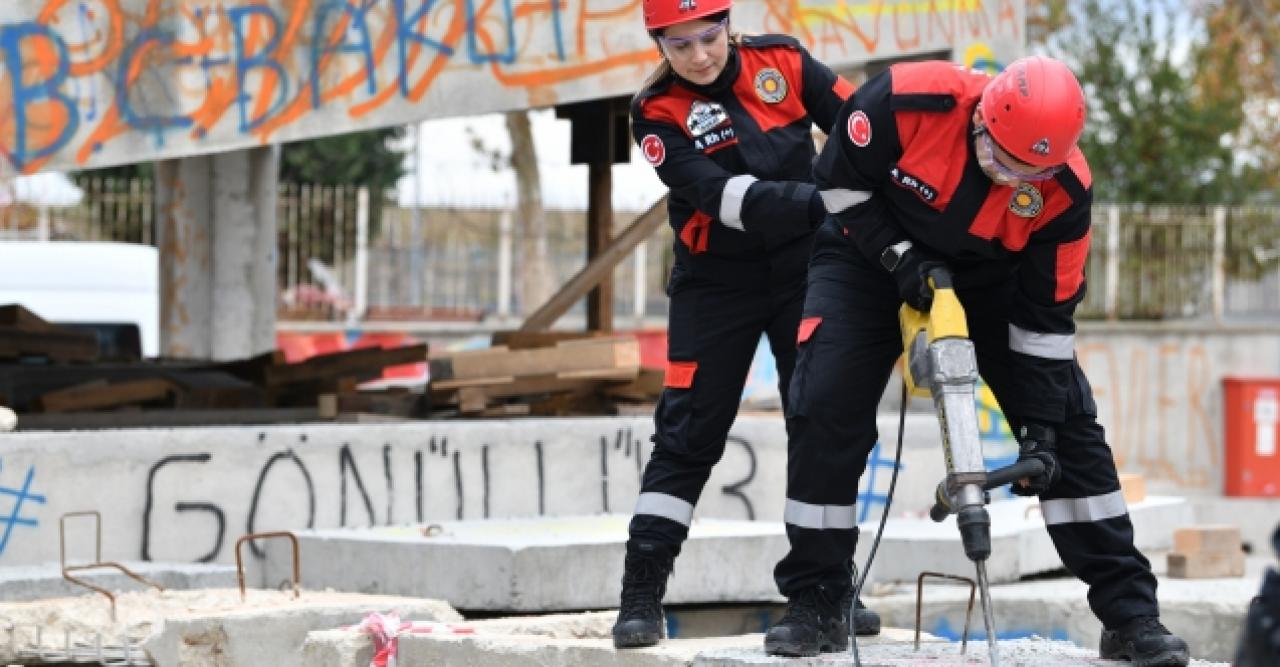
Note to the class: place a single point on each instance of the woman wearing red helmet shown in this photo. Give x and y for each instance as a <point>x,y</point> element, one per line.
<point>935,164</point>
<point>726,122</point>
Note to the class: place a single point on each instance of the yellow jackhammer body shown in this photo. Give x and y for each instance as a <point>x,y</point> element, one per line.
<point>941,362</point>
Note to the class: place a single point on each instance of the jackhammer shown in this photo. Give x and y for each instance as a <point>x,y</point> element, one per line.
<point>940,362</point>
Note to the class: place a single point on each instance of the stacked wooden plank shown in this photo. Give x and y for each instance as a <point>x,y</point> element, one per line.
<point>542,374</point>
<point>50,376</point>
<point>25,336</point>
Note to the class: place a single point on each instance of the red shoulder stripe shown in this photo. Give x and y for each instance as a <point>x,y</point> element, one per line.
<point>1070,266</point>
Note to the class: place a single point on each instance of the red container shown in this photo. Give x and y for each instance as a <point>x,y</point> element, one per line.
<point>1251,410</point>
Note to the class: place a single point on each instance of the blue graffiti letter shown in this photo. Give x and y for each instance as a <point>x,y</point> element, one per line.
<point>405,34</point>
<point>27,92</point>
<point>320,45</point>
<point>473,49</point>
<point>156,123</point>
<point>246,63</point>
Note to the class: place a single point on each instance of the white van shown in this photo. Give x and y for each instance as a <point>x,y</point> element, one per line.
<point>83,282</point>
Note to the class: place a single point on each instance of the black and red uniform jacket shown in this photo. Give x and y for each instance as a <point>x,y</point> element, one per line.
<point>737,155</point>
<point>900,164</point>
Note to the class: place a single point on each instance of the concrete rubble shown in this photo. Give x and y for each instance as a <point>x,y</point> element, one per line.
<point>201,628</point>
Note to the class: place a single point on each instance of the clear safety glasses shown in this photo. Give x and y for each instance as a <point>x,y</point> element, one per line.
<point>683,46</point>
<point>1024,174</point>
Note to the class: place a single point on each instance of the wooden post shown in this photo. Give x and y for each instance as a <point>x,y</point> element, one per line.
<point>599,136</point>
<point>599,233</point>
<point>643,227</point>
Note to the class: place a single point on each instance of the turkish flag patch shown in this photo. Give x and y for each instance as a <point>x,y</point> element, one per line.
<point>654,150</point>
<point>859,128</point>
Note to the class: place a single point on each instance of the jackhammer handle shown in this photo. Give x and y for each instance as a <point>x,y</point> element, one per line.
<point>996,478</point>
<point>1014,472</point>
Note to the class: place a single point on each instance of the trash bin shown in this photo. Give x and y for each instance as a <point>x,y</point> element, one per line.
<point>1251,410</point>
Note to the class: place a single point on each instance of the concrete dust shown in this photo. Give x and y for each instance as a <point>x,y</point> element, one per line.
<point>83,619</point>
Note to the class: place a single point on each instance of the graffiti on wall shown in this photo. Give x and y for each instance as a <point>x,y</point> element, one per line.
<point>397,483</point>
<point>1156,402</point>
<point>88,83</point>
<point>12,516</point>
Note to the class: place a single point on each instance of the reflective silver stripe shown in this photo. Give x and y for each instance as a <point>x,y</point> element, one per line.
<point>1043,345</point>
<point>1075,510</point>
<point>735,190</point>
<point>840,199</point>
<point>663,505</point>
<point>819,517</point>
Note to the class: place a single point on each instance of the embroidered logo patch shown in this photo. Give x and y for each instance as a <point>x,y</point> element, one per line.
<point>771,86</point>
<point>704,117</point>
<point>653,148</point>
<point>859,127</point>
<point>1026,201</point>
<point>925,191</point>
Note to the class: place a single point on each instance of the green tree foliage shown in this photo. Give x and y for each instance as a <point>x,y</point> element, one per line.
<point>372,158</point>
<point>1160,129</point>
<point>1244,36</point>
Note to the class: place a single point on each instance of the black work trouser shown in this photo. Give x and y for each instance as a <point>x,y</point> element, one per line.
<point>712,334</point>
<point>841,371</point>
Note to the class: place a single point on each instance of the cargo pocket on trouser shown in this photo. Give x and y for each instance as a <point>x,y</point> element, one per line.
<point>804,351</point>
<point>674,415</point>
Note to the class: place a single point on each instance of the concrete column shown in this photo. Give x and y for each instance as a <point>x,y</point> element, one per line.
<point>217,239</point>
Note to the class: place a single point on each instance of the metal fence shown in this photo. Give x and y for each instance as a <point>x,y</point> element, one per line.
<point>345,255</point>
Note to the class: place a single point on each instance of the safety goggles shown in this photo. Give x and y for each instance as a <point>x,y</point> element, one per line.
<point>1025,173</point>
<point>683,45</point>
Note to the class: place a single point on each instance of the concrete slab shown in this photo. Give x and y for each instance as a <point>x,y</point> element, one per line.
<point>536,642</point>
<point>566,563</point>
<point>572,563</point>
<point>1020,545</point>
<point>37,582</point>
<point>210,628</point>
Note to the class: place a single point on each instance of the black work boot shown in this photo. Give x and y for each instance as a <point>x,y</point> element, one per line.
<point>865,621</point>
<point>1146,643</point>
<point>813,624</point>
<point>644,582</point>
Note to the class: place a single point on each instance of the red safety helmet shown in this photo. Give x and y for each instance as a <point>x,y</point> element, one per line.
<point>1035,110</point>
<point>662,13</point>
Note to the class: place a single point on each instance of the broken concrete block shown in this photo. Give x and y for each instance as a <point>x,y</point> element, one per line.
<point>1134,487</point>
<point>1216,538</point>
<point>1206,565</point>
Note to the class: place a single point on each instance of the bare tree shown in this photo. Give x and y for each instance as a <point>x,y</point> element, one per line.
<point>533,262</point>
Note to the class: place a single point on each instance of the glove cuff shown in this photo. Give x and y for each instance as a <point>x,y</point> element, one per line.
<point>1039,432</point>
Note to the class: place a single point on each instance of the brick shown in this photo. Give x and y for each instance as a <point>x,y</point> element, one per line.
<point>1134,487</point>
<point>1206,565</point>
<point>1223,538</point>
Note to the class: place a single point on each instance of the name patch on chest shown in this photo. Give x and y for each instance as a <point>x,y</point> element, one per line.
<point>923,190</point>
<point>704,117</point>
